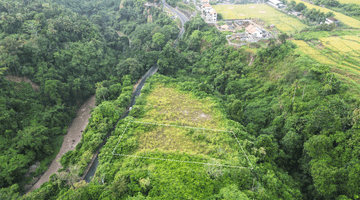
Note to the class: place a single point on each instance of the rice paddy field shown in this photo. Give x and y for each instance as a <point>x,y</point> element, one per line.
<point>342,53</point>
<point>343,18</point>
<point>266,13</point>
<point>350,1</point>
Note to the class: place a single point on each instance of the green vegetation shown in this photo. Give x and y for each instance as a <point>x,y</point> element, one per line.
<point>295,117</point>
<point>346,7</point>
<point>66,54</point>
<point>318,13</point>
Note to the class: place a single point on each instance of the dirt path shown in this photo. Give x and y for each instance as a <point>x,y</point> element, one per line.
<point>71,139</point>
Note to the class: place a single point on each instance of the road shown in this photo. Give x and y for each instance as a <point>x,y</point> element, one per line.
<point>79,123</point>
<point>91,169</point>
<point>181,16</point>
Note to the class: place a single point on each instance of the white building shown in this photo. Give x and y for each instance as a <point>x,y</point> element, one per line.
<point>203,2</point>
<point>206,7</point>
<point>331,20</point>
<point>213,15</point>
<point>210,14</point>
<point>276,3</point>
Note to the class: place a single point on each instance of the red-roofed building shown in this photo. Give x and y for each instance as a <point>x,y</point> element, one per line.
<point>207,5</point>
<point>253,31</point>
<point>203,2</point>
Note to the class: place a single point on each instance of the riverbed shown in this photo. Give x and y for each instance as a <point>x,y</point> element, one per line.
<point>71,139</point>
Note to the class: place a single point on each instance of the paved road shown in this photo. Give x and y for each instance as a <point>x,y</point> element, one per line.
<point>181,16</point>
<point>90,172</point>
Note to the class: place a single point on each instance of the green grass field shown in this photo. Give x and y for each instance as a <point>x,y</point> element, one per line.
<point>268,14</point>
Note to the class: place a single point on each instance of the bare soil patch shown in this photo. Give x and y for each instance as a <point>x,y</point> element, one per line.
<point>18,79</point>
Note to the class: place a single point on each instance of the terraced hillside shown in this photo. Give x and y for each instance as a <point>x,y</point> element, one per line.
<point>342,53</point>
<point>343,18</point>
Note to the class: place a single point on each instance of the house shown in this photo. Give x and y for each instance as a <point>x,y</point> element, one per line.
<point>203,2</point>
<point>206,7</point>
<point>331,20</point>
<point>276,3</point>
<point>296,13</point>
<point>254,31</point>
<point>147,4</point>
<point>224,27</point>
<point>212,16</point>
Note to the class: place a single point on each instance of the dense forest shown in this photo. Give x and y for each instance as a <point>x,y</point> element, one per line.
<point>65,54</point>
<point>297,122</point>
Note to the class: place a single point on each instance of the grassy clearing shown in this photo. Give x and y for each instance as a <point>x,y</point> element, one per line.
<point>168,104</point>
<point>210,143</point>
<point>343,18</point>
<point>268,14</point>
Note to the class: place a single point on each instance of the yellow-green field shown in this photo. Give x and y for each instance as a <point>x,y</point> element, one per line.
<point>343,18</point>
<point>169,105</point>
<point>313,53</point>
<point>166,105</point>
<point>350,1</point>
<point>268,14</point>
<point>342,53</point>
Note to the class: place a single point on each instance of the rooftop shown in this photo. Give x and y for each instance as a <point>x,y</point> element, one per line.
<point>207,5</point>
<point>275,2</point>
<point>213,12</point>
<point>251,29</point>
<point>224,26</point>
<point>332,19</point>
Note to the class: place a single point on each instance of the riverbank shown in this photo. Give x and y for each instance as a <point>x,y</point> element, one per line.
<point>71,139</point>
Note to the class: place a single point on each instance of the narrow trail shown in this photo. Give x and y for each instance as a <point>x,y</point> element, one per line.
<point>71,139</point>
